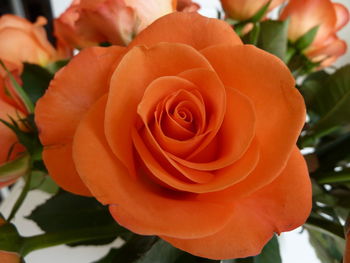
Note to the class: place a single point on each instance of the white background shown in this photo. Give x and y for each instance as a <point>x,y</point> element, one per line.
<point>294,246</point>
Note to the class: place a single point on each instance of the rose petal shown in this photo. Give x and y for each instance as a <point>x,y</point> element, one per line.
<point>234,134</point>
<point>172,173</point>
<point>279,107</point>
<point>126,90</point>
<point>74,89</point>
<point>281,206</point>
<point>342,14</point>
<point>157,90</point>
<point>137,203</point>
<point>216,31</point>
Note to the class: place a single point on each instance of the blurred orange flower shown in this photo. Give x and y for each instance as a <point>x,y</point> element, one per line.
<point>244,9</point>
<point>11,106</point>
<point>329,17</point>
<point>91,22</point>
<point>22,41</point>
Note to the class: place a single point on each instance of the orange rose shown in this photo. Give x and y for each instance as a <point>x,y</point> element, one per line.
<point>90,22</point>
<point>10,106</point>
<point>329,17</point>
<point>244,9</point>
<point>5,256</point>
<point>22,41</point>
<point>185,135</point>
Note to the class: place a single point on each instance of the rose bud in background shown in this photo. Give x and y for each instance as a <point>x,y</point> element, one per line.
<point>13,160</point>
<point>322,18</point>
<point>241,10</point>
<point>23,41</point>
<point>187,6</point>
<point>89,23</point>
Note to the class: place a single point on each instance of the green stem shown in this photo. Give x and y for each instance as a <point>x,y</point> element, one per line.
<point>46,240</point>
<point>339,177</point>
<point>22,196</point>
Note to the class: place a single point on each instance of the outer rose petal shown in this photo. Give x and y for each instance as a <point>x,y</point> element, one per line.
<point>270,86</point>
<point>216,31</point>
<point>281,206</point>
<point>72,92</point>
<point>306,14</point>
<point>245,9</point>
<point>137,203</point>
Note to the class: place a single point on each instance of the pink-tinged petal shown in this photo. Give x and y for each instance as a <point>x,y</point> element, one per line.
<point>150,10</point>
<point>342,14</point>
<point>328,53</point>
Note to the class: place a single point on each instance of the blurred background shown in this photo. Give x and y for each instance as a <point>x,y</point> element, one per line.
<point>294,245</point>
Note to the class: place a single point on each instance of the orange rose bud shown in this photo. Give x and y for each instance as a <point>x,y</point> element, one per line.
<point>6,256</point>
<point>13,164</point>
<point>90,22</point>
<point>171,132</point>
<point>328,17</point>
<point>244,9</point>
<point>22,41</point>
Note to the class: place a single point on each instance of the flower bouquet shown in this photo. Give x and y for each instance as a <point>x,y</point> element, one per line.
<point>188,138</point>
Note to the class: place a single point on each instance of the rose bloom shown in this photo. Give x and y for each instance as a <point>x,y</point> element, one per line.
<point>244,9</point>
<point>89,22</point>
<point>329,17</point>
<point>188,136</point>
<point>22,41</point>
<point>10,106</point>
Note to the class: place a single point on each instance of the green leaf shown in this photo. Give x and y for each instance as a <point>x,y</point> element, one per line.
<point>141,249</point>
<point>270,253</point>
<point>36,80</point>
<point>273,37</point>
<point>328,249</point>
<point>41,181</point>
<point>261,13</point>
<point>305,40</point>
<point>65,212</point>
<point>14,168</point>
<point>329,98</point>
<point>253,36</point>
<point>10,240</point>
<point>29,137</point>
